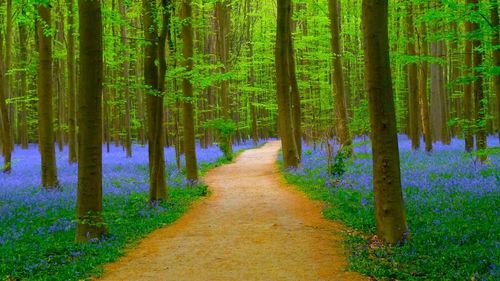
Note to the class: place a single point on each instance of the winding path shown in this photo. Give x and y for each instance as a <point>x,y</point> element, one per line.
<point>253,227</point>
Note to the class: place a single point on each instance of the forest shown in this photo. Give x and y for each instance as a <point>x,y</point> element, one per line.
<point>249,140</point>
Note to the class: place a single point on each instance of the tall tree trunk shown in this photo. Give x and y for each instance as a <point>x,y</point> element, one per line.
<point>158,186</point>
<point>9,92</point>
<point>222,15</point>
<point>412,72</point>
<point>338,75</point>
<point>187,89</point>
<point>89,198</point>
<point>496,57</point>
<point>422,88</point>
<point>389,206</point>
<point>7,142</point>
<point>283,84</point>
<point>294,92</point>
<point>479,97</point>
<point>438,97</point>
<point>45,112</point>
<point>23,116</point>
<point>59,80</point>
<point>468,101</point>
<point>126,71</point>
<point>70,38</point>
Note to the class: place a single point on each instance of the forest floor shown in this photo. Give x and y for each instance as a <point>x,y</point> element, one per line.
<point>254,226</point>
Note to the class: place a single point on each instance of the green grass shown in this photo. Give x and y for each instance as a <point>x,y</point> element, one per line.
<point>129,218</point>
<point>461,243</point>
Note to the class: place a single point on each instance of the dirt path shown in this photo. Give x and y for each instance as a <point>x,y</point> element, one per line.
<point>253,227</point>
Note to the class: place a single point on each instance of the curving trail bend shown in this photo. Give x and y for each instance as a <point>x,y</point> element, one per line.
<point>254,226</point>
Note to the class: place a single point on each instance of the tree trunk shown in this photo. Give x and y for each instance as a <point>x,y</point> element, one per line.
<point>496,57</point>
<point>422,88</point>
<point>412,72</point>
<point>45,112</point>
<point>283,85</point>
<point>479,98</point>
<point>222,15</point>
<point>343,134</point>
<point>7,142</point>
<point>468,102</point>
<point>126,71</point>
<point>89,198</point>
<point>23,116</point>
<point>70,38</point>
<point>158,186</point>
<point>389,206</point>
<point>187,89</point>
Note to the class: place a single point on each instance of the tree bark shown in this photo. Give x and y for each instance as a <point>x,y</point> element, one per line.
<point>496,57</point>
<point>343,134</point>
<point>412,72</point>
<point>158,186</point>
<point>223,21</point>
<point>468,101</point>
<point>187,89</point>
<point>45,112</point>
<point>422,88</point>
<point>89,198</point>
<point>479,97</point>
<point>7,142</point>
<point>283,85</point>
<point>389,206</point>
<point>70,38</point>
<point>126,71</point>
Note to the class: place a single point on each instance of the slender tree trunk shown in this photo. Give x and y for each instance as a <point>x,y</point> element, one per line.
<point>126,90</point>
<point>45,112</point>
<point>7,142</point>
<point>187,89</point>
<point>389,206</point>
<point>496,57</point>
<point>422,88</point>
<point>89,198</point>
<point>23,116</point>
<point>158,186</point>
<point>412,71</point>
<point>480,99</point>
<point>468,101</point>
<point>283,85</point>
<point>438,97</point>
<point>222,14</point>
<point>343,134</point>
<point>294,92</point>
<point>9,92</point>
<point>70,38</point>
<point>59,80</point>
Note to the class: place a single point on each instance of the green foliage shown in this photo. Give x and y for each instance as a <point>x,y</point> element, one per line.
<point>225,129</point>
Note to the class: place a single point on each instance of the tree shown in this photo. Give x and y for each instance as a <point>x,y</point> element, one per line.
<point>468,101</point>
<point>338,74</point>
<point>496,57</point>
<point>89,197</point>
<point>291,157</point>
<point>422,87</point>
<point>71,84</point>
<point>4,117</point>
<point>389,206</point>
<point>126,70</point>
<point>45,112</point>
<point>187,88</point>
<point>157,183</point>
<point>223,22</point>
<point>412,80</point>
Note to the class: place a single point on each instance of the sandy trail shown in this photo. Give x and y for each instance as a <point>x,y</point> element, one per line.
<point>253,227</point>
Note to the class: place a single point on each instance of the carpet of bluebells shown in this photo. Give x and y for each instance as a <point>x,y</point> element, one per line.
<point>452,204</point>
<point>37,227</point>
